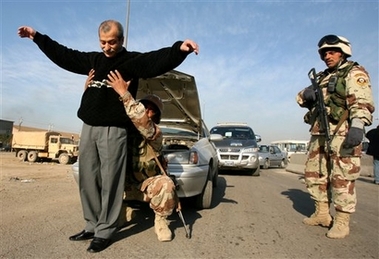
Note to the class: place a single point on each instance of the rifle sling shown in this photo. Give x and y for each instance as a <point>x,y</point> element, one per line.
<point>343,118</point>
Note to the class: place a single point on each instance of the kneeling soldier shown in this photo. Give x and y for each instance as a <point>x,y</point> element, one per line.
<point>146,182</point>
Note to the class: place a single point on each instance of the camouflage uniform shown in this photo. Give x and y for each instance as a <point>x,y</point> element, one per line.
<point>353,96</point>
<point>146,183</point>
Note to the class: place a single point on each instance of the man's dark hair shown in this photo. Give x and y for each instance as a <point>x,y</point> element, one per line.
<point>105,26</point>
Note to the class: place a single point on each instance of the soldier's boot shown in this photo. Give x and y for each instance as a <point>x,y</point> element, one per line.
<point>126,215</point>
<point>130,214</point>
<point>340,227</point>
<point>161,228</point>
<point>321,216</point>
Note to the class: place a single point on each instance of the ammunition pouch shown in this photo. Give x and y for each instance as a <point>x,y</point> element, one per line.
<point>307,118</point>
<point>141,159</point>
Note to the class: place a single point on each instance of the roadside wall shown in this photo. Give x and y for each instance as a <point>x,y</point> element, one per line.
<point>297,164</point>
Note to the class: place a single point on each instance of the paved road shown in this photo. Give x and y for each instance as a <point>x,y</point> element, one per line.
<point>252,217</point>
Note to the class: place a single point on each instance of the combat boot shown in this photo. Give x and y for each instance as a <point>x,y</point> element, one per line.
<point>340,227</point>
<point>126,215</point>
<point>321,216</point>
<point>161,228</point>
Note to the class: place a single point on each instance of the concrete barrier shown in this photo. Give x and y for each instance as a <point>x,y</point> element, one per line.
<point>297,164</point>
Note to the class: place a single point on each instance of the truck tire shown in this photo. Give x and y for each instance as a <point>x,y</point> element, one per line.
<point>22,155</point>
<point>64,159</point>
<point>32,156</point>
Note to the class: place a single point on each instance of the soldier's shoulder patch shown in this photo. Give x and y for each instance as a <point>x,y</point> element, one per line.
<point>360,75</point>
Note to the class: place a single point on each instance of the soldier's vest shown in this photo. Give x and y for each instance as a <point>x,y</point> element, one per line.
<point>336,99</point>
<point>141,160</point>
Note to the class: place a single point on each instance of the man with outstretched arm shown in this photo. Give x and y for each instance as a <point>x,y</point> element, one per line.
<point>103,147</point>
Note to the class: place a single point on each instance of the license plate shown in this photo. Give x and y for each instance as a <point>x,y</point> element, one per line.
<point>229,163</point>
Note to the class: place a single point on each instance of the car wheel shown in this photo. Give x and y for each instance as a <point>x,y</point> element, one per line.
<point>282,164</point>
<point>266,164</point>
<point>215,178</point>
<point>256,172</point>
<point>32,156</point>
<point>22,155</point>
<point>204,200</point>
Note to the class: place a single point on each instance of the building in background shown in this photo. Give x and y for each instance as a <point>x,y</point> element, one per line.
<point>6,129</point>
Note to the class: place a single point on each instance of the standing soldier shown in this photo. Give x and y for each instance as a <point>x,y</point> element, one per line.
<point>330,173</point>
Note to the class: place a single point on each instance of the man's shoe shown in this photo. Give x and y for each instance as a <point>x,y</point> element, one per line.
<point>84,235</point>
<point>98,244</point>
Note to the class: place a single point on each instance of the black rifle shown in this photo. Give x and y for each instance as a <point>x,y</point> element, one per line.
<point>320,113</point>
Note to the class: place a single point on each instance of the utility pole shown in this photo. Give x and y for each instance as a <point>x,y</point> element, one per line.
<point>127,23</point>
<point>19,124</point>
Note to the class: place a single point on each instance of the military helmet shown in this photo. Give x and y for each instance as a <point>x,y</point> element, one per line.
<point>157,102</point>
<point>334,41</point>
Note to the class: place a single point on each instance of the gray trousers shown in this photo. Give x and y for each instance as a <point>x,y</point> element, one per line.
<point>102,169</point>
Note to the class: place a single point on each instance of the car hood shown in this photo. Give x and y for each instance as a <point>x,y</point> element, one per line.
<point>236,143</point>
<point>180,98</point>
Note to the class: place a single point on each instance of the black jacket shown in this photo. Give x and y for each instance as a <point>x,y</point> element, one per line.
<point>101,106</point>
<point>373,147</point>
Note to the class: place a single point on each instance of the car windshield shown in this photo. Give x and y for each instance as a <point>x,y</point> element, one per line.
<point>234,132</point>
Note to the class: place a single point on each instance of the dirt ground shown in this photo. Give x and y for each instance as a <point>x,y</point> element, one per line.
<point>40,209</point>
<point>30,195</point>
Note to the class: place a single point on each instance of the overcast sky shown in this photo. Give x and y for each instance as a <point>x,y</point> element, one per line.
<point>254,55</point>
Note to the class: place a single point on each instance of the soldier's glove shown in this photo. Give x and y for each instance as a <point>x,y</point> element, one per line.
<point>355,135</point>
<point>309,94</point>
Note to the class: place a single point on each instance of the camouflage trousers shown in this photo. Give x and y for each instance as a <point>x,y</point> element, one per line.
<point>158,190</point>
<point>338,186</point>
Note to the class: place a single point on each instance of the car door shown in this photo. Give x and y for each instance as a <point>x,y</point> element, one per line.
<point>276,156</point>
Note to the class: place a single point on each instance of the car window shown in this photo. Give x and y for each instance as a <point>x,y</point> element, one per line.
<point>263,149</point>
<point>234,132</point>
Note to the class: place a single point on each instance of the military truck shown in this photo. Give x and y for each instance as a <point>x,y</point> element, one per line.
<point>44,145</point>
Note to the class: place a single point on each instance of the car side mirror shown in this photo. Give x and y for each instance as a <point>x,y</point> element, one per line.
<point>258,138</point>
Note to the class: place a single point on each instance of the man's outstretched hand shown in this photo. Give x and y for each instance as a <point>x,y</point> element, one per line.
<point>190,46</point>
<point>26,32</point>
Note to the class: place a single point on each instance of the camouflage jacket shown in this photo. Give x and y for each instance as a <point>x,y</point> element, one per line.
<point>146,127</point>
<point>352,93</point>
<point>143,145</point>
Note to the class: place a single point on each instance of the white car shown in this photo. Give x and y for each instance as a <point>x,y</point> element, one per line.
<point>238,151</point>
<point>187,143</point>
<point>271,155</point>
